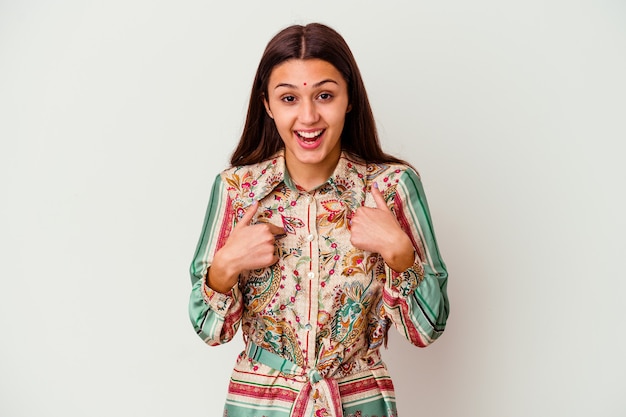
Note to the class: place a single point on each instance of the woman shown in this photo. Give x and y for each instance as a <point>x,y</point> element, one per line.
<point>315,242</point>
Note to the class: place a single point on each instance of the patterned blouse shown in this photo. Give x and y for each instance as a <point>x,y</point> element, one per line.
<point>314,322</point>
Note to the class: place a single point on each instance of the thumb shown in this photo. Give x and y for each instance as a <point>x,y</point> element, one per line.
<point>378,197</point>
<point>250,212</point>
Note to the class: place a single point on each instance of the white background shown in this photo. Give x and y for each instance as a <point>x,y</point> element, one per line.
<point>116,115</point>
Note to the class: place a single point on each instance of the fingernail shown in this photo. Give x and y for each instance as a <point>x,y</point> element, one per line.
<point>375,185</point>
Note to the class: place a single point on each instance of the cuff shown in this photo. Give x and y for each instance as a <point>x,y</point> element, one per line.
<point>402,284</point>
<point>219,302</point>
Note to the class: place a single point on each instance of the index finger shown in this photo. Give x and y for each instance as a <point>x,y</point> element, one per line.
<point>276,230</point>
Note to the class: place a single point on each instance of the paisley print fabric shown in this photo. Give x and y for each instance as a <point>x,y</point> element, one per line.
<point>325,307</point>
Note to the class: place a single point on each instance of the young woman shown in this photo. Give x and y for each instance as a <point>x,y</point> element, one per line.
<point>315,242</point>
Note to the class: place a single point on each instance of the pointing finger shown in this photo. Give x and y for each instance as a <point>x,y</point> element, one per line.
<point>378,197</point>
<point>250,212</point>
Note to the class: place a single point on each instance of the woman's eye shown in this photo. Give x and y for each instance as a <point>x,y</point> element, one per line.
<point>288,99</point>
<point>325,96</point>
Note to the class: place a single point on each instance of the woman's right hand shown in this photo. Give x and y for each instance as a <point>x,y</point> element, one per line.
<point>248,247</point>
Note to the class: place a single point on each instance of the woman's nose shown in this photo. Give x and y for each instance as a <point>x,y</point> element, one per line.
<point>308,112</point>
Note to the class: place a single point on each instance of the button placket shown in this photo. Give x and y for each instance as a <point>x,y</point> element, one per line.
<point>312,277</point>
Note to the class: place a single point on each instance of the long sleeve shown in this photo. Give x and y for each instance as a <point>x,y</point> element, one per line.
<point>215,316</point>
<point>416,300</point>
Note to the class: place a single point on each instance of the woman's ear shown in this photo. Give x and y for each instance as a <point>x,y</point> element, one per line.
<point>267,107</point>
<point>349,108</point>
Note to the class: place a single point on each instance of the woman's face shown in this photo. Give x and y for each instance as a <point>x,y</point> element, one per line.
<point>308,100</point>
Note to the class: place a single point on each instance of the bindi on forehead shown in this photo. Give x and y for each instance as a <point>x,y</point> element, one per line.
<point>315,85</point>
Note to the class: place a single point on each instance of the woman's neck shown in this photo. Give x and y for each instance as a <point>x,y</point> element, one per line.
<point>310,176</point>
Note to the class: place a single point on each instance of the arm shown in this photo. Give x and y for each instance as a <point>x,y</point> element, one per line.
<point>215,316</point>
<point>416,300</point>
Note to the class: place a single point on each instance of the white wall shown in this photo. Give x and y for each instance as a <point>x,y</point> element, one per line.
<point>116,115</point>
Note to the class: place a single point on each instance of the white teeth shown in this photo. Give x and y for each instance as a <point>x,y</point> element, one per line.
<point>310,135</point>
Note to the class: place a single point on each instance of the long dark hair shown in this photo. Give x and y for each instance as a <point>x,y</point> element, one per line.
<point>260,138</point>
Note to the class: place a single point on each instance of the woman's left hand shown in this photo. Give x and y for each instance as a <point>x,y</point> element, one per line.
<point>377,230</point>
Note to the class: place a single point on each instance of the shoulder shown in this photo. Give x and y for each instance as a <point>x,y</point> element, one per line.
<point>248,183</point>
<point>374,171</point>
<point>389,175</point>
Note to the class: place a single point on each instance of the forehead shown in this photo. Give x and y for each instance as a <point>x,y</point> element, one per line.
<point>300,71</point>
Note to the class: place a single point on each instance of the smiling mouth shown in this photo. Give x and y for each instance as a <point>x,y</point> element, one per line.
<point>310,136</point>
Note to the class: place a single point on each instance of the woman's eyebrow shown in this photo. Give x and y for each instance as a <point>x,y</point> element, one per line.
<point>319,84</point>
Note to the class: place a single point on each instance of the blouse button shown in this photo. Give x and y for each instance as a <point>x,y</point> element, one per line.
<point>308,326</point>
<point>310,237</point>
<point>311,275</point>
